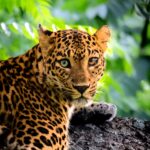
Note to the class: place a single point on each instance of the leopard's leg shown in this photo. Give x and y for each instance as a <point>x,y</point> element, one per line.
<point>94,113</point>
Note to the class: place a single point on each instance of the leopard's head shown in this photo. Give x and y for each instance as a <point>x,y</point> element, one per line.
<point>74,61</point>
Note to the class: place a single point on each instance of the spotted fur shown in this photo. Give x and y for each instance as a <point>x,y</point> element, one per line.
<point>39,89</point>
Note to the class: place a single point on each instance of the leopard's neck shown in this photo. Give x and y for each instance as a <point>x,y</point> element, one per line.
<point>28,65</point>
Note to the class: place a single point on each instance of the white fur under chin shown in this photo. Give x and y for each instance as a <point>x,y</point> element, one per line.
<point>70,111</point>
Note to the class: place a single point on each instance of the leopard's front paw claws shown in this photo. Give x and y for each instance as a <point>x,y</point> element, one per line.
<point>112,109</point>
<point>107,109</point>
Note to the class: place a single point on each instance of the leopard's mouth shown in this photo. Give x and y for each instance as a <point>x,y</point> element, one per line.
<point>81,101</point>
<point>78,99</point>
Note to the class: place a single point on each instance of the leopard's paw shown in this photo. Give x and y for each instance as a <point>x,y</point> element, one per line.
<point>108,110</point>
<point>95,113</point>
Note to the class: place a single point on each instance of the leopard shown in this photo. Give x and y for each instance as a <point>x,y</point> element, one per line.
<point>41,89</point>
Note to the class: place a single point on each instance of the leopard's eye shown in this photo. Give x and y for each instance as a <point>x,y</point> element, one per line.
<point>65,63</point>
<point>93,61</point>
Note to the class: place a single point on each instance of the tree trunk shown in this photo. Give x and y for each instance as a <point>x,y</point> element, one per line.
<point>120,134</point>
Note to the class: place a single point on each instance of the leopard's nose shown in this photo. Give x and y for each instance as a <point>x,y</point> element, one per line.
<point>81,89</point>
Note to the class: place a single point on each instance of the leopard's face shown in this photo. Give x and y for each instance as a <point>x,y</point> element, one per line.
<point>75,64</point>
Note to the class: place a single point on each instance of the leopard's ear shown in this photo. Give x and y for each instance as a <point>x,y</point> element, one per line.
<point>45,37</point>
<point>103,35</point>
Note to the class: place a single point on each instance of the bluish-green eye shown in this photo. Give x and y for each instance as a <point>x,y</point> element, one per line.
<point>93,61</point>
<point>65,63</point>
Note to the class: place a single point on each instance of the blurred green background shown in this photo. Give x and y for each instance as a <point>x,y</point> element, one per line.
<point>126,82</point>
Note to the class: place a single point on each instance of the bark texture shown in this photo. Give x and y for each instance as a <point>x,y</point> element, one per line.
<point>120,134</point>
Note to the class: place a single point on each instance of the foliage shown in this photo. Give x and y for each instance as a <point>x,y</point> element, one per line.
<point>127,77</point>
